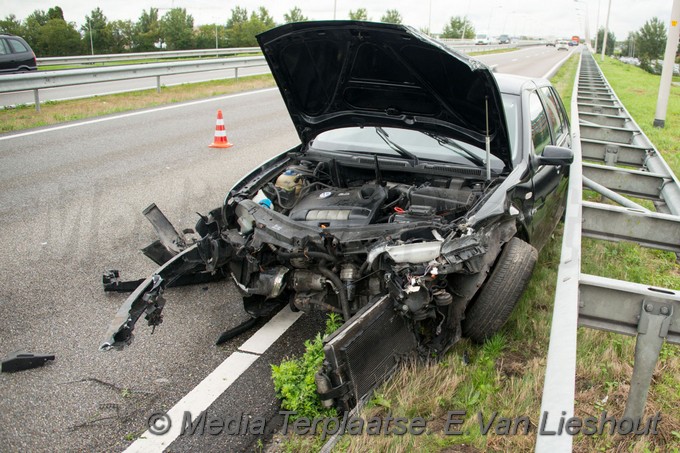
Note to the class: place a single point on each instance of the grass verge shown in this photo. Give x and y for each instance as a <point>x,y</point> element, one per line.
<point>26,117</point>
<point>505,375</point>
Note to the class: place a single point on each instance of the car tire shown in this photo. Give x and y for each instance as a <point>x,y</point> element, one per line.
<point>492,307</point>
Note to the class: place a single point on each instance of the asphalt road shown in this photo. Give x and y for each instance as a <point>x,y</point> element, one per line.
<point>70,202</point>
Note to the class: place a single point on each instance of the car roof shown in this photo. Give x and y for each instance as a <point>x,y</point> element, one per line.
<point>514,84</point>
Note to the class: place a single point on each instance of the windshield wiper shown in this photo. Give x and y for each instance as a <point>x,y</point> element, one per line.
<point>386,138</point>
<point>453,146</point>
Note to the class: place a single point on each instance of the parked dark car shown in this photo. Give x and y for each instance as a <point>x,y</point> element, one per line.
<point>15,55</point>
<point>415,205</point>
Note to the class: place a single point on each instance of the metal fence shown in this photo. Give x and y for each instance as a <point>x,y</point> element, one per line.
<point>616,159</point>
<point>51,79</point>
<point>108,58</point>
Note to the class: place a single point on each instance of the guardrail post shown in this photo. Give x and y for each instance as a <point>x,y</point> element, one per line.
<point>158,84</point>
<point>36,96</point>
<point>236,74</point>
<point>655,319</point>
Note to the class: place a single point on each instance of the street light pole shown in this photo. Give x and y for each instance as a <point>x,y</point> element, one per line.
<point>597,26</point>
<point>335,8</point>
<point>606,31</point>
<point>668,63</point>
<point>90,28</point>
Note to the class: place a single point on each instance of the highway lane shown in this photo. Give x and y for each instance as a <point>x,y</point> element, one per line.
<point>71,199</point>
<point>511,62</point>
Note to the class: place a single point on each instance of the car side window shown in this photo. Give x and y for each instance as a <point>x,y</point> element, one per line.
<point>540,130</point>
<point>4,49</point>
<point>18,46</point>
<point>554,118</point>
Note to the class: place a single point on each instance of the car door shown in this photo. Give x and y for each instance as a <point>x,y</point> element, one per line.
<point>549,127</point>
<point>22,56</point>
<point>6,58</point>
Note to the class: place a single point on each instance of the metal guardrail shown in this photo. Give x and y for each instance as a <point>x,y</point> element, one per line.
<point>90,59</point>
<point>605,133</point>
<point>51,79</point>
<point>468,45</point>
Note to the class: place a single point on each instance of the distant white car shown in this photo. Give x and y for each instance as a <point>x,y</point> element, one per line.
<point>562,45</point>
<point>482,39</point>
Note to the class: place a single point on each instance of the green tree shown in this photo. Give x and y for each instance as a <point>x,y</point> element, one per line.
<point>391,16</point>
<point>241,32</point>
<point>360,14</point>
<point>294,15</point>
<point>55,13</point>
<point>628,47</point>
<point>147,31</point>
<point>459,27</point>
<point>122,36</point>
<point>96,24</point>
<point>32,25</point>
<point>177,29</point>
<point>205,36</point>
<point>651,41</point>
<point>58,38</point>
<point>265,18</point>
<point>611,41</point>
<point>11,25</point>
<point>239,16</point>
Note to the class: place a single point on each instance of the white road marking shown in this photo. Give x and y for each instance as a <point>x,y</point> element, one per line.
<point>258,343</point>
<point>217,382</point>
<point>557,65</point>
<point>131,114</point>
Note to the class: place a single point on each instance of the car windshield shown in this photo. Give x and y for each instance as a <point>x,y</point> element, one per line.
<point>425,146</point>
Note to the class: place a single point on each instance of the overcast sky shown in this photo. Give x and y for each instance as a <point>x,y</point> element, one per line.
<point>554,18</point>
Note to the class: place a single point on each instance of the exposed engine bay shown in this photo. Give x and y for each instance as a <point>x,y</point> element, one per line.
<point>393,252</point>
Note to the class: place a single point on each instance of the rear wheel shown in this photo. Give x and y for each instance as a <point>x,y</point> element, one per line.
<point>496,300</point>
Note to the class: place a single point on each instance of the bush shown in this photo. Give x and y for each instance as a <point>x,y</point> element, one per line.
<point>294,379</point>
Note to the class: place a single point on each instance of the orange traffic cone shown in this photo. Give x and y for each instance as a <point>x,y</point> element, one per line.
<point>220,140</point>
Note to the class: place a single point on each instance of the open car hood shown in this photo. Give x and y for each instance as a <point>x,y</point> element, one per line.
<point>335,74</point>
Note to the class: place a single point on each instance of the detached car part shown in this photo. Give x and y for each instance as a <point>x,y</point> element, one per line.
<point>19,361</point>
<point>413,207</point>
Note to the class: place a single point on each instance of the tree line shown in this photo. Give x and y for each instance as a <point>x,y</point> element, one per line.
<point>49,34</point>
<point>648,43</point>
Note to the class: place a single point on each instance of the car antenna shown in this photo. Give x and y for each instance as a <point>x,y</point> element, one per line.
<point>488,139</point>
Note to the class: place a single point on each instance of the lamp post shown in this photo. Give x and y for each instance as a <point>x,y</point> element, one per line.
<point>597,25</point>
<point>89,27</point>
<point>335,8</point>
<point>606,31</point>
<point>668,62</point>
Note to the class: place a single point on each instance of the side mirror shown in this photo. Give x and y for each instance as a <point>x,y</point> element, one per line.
<point>555,155</point>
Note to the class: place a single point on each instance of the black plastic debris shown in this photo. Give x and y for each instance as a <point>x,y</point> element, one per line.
<point>19,361</point>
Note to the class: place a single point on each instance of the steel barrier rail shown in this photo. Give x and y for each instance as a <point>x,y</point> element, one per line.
<point>90,59</point>
<point>605,133</point>
<point>465,46</point>
<point>51,79</point>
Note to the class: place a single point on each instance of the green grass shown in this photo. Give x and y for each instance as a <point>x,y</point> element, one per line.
<point>488,52</point>
<point>506,373</point>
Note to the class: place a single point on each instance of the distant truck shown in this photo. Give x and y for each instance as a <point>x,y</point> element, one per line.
<point>575,40</point>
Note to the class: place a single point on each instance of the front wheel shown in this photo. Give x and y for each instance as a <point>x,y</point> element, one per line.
<point>496,300</point>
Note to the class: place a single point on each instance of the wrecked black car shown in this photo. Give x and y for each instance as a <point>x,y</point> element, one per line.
<point>413,207</point>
